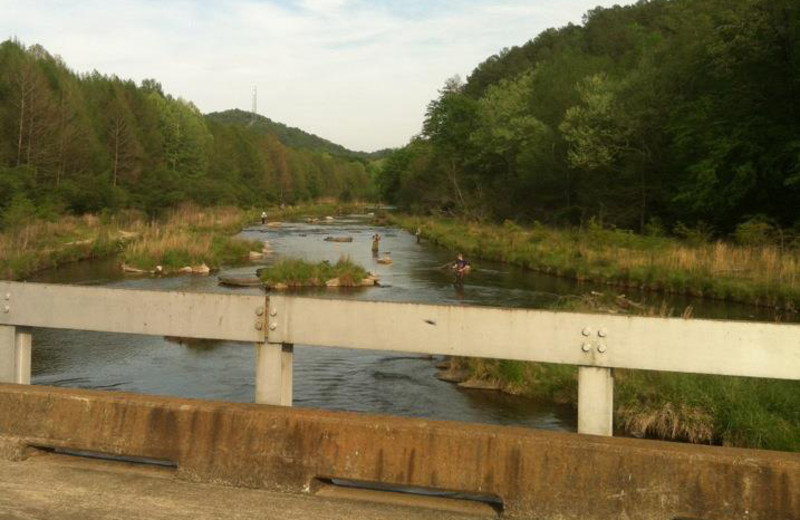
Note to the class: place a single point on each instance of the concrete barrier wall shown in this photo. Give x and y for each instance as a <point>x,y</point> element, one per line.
<point>537,474</point>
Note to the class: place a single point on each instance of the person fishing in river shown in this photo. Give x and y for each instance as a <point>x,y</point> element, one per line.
<point>461,266</point>
<point>376,239</point>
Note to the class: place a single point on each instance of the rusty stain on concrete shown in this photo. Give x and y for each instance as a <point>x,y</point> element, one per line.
<point>537,474</point>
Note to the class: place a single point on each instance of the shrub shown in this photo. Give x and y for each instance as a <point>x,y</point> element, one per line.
<point>698,235</point>
<point>754,232</point>
<point>19,212</point>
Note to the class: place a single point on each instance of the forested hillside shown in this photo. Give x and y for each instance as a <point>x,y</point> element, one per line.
<point>89,142</point>
<point>646,117</point>
<point>288,135</point>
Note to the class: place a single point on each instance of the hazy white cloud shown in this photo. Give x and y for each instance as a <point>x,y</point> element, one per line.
<point>357,72</point>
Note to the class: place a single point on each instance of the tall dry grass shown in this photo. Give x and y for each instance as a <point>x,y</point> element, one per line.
<point>191,236</point>
<point>42,244</point>
<point>168,247</point>
<point>193,218</point>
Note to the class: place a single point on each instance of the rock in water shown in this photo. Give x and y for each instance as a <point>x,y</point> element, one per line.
<point>128,269</point>
<point>240,281</point>
<point>201,269</point>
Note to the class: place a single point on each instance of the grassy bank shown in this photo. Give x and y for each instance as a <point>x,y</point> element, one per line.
<point>188,236</point>
<point>295,272</point>
<point>191,236</point>
<point>759,275</point>
<point>42,244</point>
<point>729,411</point>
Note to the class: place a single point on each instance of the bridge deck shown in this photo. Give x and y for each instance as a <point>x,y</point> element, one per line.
<point>50,486</point>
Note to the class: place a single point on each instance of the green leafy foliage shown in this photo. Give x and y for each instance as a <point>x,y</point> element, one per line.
<point>87,143</point>
<point>756,231</point>
<point>675,110</point>
<point>288,135</point>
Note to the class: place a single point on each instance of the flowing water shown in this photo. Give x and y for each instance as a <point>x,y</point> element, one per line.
<point>338,379</point>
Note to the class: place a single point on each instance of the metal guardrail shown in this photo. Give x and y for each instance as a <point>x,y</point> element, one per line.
<point>595,343</point>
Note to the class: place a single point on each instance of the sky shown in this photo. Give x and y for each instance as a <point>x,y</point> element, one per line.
<point>357,72</point>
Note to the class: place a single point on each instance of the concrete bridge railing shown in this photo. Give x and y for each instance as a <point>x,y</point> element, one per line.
<point>524,473</point>
<point>597,344</point>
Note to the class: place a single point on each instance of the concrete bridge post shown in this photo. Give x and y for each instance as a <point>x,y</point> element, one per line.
<point>596,401</point>
<point>274,373</point>
<point>15,355</point>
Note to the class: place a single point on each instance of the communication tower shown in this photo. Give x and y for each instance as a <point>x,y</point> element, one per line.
<point>254,108</point>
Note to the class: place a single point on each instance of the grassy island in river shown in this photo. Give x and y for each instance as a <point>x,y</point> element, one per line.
<point>295,273</point>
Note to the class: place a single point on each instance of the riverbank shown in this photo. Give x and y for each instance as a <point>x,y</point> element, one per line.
<point>728,411</point>
<point>42,244</point>
<point>189,236</point>
<point>317,210</point>
<point>759,275</point>
<point>192,237</point>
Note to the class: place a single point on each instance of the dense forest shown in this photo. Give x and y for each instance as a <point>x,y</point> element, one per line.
<point>89,142</point>
<point>664,115</point>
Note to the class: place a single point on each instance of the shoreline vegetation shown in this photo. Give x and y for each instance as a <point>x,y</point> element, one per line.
<point>43,244</point>
<point>190,240</point>
<point>319,209</point>
<point>763,275</point>
<point>295,273</point>
<point>189,236</point>
<point>702,409</point>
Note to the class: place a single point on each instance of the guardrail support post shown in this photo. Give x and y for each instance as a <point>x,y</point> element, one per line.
<point>15,355</point>
<point>274,373</point>
<point>596,401</point>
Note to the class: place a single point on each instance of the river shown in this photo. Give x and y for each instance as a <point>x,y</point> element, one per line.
<point>335,379</point>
